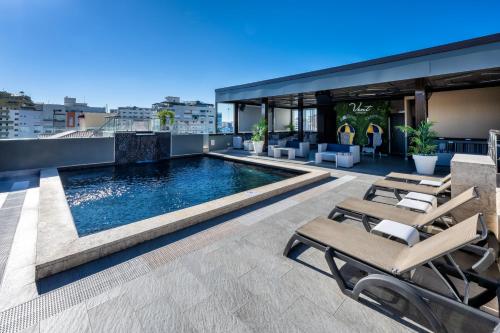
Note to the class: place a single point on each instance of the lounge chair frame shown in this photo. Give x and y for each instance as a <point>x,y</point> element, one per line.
<point>397,192</point>
<point>367,220</point>
<point>410,291</point>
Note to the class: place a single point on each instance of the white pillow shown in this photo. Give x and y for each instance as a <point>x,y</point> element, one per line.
<point>431,183</point>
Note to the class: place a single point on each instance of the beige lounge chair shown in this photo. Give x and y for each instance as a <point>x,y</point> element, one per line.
<point>398,187</point>
<point>393,269</point>
<point>370,211</point>
<point>408,177</point>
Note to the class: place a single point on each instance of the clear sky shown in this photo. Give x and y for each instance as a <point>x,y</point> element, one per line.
<point>136,52</point>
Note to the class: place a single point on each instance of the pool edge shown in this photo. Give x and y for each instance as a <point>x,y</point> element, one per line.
<point>60,251</point>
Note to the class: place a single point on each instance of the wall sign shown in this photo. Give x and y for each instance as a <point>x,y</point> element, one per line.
<point>360,108</point>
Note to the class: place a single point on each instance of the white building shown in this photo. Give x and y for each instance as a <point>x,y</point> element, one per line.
<point>134,112</point>
<point>60,117</point>
<point>20,123</point>
<point>190,116</point>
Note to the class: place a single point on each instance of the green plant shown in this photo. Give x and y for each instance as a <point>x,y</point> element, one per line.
<point>164,114</point>
<point>259,130</point>
<point>290,127</point>
<point>422,138</point>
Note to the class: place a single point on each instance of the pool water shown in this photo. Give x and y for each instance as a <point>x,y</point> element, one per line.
<point>107,197</point>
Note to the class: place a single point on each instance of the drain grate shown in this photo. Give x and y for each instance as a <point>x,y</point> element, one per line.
<point>51,303</point>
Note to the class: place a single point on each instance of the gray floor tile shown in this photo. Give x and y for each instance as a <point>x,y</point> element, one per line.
<point>185,289</point>
<point>74,319</point>
<point>318,288</point>
<point>115,315</point>
<point>229,292</point>
<point>361,318</point>
<point>257,313</point>
<point>311,318</point>
<point>210,316</point>
<point>144,290</point>
<point>163,315</point>
<point>277,294</point>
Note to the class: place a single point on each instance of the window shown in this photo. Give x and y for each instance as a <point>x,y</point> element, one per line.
<point>310,120</point>
<point>225,118</point>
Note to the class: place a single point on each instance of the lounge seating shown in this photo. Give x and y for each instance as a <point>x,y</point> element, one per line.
<point>370,212</point>
<point>412,178</point>
<point>400,277</point>
<point>398,187</point>
<point>301,148</point>
<point>329,149</point>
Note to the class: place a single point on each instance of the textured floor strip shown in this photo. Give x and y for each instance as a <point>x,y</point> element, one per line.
<point>10,212</point>
<point>46,305</point>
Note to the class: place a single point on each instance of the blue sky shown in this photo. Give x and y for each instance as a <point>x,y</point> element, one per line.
<point>136,52</point>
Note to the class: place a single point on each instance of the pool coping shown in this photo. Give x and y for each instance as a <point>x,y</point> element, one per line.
<point>59,247</point>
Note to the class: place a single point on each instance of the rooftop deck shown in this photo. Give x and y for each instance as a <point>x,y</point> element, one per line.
<point>225,275</point>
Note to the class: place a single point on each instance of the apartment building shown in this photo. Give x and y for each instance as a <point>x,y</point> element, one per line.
<point>190,116</point>
<point>134,112</point>
<point>60,117</point>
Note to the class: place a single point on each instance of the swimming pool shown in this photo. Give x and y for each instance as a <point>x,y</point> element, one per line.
<point>106,197</point>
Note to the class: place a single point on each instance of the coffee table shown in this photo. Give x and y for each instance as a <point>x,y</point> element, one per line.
<point>290,151</point>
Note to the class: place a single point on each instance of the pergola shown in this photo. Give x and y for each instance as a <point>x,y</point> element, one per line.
<point>467,64</point>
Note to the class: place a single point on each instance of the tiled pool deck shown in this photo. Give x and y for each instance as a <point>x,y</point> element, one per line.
<point>225,275</point>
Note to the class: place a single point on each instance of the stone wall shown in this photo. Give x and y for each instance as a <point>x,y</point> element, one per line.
<point>131,147</point>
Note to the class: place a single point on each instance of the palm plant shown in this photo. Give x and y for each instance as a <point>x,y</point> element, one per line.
<point>422,138</point>
<point>259,130</point>
<point>164,114</point>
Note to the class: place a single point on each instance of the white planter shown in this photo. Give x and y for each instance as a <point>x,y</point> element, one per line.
<point>425,164</point>
<point>258,146</point>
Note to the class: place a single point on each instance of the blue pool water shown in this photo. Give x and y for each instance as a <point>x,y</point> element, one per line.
<point>107,197</point>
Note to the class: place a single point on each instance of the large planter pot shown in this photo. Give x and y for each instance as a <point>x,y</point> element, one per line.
<point>425,164</point>
<point>258,146</point>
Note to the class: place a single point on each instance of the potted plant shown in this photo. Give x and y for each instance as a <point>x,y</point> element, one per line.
<point>163,115</point>
<point>422,146</point>
<point>290,127</point>
<point>259,131</point>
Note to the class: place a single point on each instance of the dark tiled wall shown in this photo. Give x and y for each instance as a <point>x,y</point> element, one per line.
<point>137,147</point>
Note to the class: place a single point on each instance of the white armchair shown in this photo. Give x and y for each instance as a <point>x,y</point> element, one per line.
<point>353,149</point>
<point>303,150</point>
<point>270,151</point>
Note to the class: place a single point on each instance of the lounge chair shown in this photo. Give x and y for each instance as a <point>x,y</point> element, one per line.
<point>399,277</point>
<point>370,211</point>
<point>412,178</point>
<point>398,187</point>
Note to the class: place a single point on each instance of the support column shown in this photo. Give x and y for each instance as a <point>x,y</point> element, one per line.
<point>300,116</point>
<point>327,118</point>
<point>264,113</point>
<point>271,125</point>
<point>236,118</point>
<point>478,171</point>
<point>420,101</point>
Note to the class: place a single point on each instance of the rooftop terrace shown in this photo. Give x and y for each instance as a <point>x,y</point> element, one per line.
<point>225,275</point>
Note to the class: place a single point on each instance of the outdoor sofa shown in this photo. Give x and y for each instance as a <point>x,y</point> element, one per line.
<point>332,148</point>
<point>301,148</point>
<point>422,283</point>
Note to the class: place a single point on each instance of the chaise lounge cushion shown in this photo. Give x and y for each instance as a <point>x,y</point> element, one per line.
<point>337,148</point>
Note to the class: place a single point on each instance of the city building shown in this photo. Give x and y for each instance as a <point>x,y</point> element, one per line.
<point>190,116</point>
<point>61,117</point>
<point>19,116</point>
<point>133,112</point>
